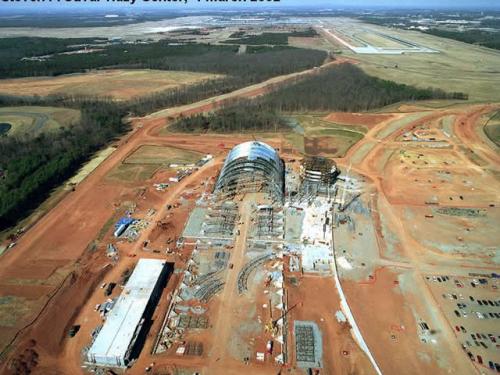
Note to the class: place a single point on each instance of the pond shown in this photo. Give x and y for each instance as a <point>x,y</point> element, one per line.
<point>4,127</point>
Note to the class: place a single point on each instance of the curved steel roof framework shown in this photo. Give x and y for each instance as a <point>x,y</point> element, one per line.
<point>252,167</point>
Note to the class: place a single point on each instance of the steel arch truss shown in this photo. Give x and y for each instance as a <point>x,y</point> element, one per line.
<point>252,167</point>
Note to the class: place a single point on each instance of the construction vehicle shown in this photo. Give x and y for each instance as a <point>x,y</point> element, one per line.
<point>268,281</point>
<point>272,325</point>
<point>344,206</point>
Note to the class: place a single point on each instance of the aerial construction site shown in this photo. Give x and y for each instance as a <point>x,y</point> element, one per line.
<point>326,242</point>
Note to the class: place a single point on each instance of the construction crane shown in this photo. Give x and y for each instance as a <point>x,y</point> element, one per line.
<point>346,181</point>
<point>272,325</point>
<point>344,206</point>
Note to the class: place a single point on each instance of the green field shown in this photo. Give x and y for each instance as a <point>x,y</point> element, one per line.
<point>148,159</point>
<point>35,120</point>
<point>314,124</point>
<point>458,67</point>
<point>133,172</point>
<point>162,155</point>
<point>314,136</point>
<point>120,84</point>
<point>13,308</point>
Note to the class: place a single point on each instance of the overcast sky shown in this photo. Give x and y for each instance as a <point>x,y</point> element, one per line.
<point>368,3</point>
<point>195,4</point>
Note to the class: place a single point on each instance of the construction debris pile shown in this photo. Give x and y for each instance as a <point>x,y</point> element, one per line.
<point>133,230</point>
<point>202,279</point>
<point>161,186</point>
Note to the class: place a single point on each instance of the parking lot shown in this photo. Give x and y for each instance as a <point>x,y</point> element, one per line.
<point>472,308</point>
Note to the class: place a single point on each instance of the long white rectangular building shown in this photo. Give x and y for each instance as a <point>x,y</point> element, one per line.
<point>116,341</point>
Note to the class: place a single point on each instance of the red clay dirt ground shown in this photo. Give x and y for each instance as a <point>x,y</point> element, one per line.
<point>64,234</point>
<point>62,238</point>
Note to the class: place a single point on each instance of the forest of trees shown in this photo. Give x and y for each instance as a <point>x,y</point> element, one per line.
<point>269,38</point>
<point>243,116</point>
<point>346,87</point>
<point>240,71</point>
<point>484,38</point>
<point>112,55</point>
<point>162,55</point>
<point>33,166</point>
<point>12,50</point>
<point>343,87</point>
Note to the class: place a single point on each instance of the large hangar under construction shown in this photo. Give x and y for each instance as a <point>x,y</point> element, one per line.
<point>249,228</point>
<point>252,167</point>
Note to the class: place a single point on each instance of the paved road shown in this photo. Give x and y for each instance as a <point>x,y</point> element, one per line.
<point>39,119</point>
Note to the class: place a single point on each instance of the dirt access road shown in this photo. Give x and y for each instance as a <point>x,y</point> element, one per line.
<point>379,302</point>
<point>220,361</point>
<point>64,233</point>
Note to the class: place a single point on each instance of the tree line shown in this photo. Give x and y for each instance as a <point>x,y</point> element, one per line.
<point>343,87</point>
<point>243,116</point>
<point>239,71</point>
<point>163,54</point>
<point>239,37</point>
<point>484,38</point>
<point>32,166</point>
<point>346,87</point>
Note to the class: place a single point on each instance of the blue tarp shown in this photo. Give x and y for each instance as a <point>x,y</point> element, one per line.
<point>124,220</point>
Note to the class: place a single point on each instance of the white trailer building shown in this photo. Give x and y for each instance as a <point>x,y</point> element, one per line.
<point>124,330</point>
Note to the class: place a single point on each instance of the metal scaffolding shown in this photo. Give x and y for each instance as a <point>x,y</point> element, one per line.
<point>252,167</point>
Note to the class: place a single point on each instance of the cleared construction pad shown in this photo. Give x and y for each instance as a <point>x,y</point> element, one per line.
<point>308,344</point>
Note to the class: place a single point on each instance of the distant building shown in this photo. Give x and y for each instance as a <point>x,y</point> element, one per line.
<point>122,335</point>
